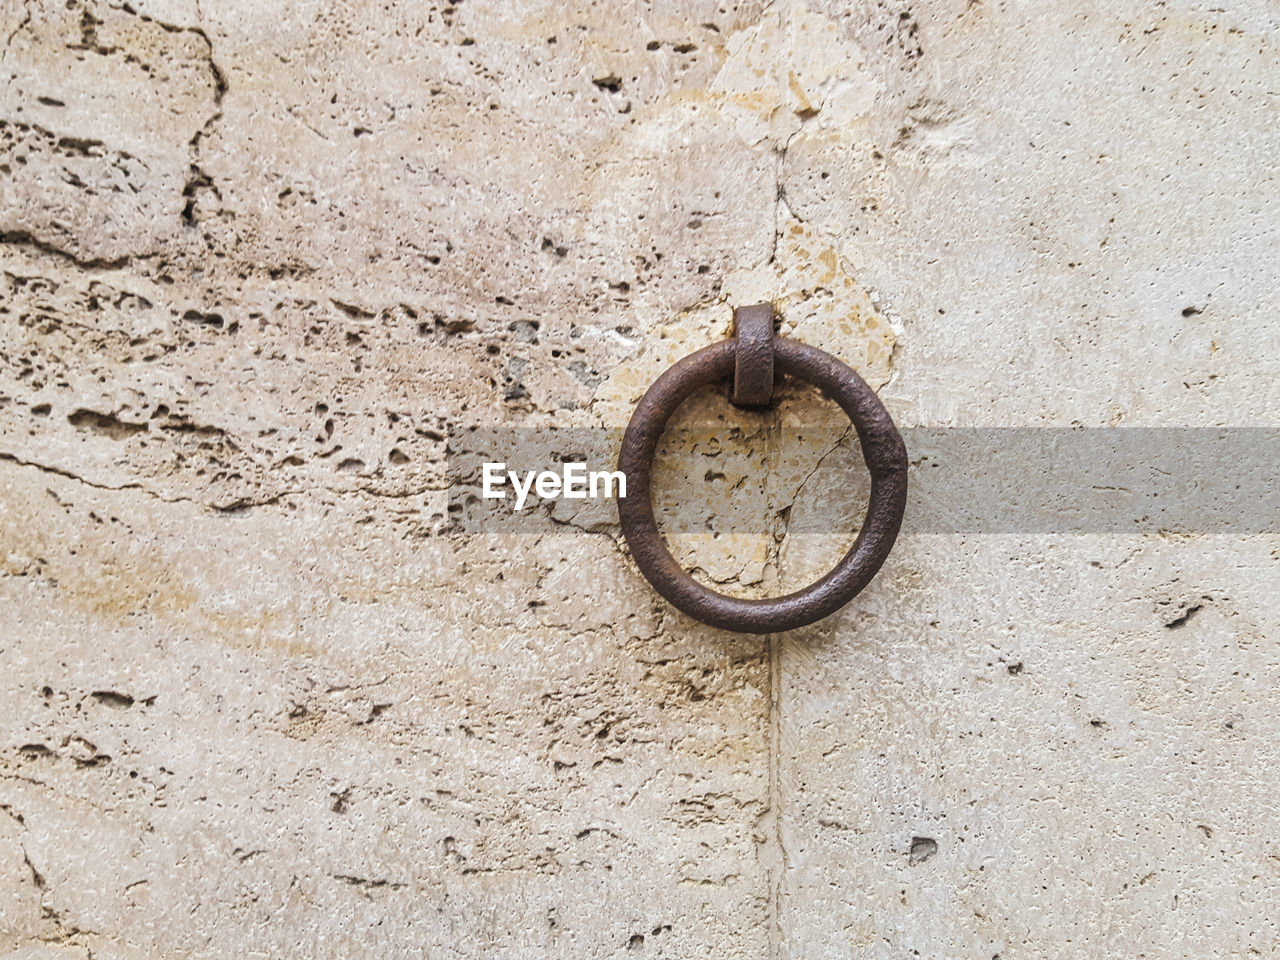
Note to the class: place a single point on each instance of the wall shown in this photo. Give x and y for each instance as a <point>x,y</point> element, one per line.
<point>260,262</point>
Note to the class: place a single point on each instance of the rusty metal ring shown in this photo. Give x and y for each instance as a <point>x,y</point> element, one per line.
<point>882,448</point>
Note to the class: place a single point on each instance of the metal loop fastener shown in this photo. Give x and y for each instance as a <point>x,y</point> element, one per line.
<point>753,355</point>
<point>882,448</point>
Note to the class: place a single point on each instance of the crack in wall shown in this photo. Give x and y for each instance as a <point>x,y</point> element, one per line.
<point>778,857</point>
<point>237,505</point>
<point>17,30</point>
<point>24,238</point>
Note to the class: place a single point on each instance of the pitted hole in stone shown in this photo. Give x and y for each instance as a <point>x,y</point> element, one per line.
<point>754,503</point>
<point>104,424</point>
<point>922,848</point>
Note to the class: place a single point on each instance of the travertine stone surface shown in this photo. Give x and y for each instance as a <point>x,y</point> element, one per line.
<point>260,261</point>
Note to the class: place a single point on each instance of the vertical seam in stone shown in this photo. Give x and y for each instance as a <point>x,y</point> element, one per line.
<point>777,858</point>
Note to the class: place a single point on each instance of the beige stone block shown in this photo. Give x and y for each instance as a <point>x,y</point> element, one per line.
<point>261,263</point>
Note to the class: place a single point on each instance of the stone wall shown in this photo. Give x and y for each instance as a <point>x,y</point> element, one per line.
<point>260,261</point>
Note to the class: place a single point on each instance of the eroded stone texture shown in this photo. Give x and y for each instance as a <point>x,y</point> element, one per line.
<point>258,262</point>
<point>302,728</point>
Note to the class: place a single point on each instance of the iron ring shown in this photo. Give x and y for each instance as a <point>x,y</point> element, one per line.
<point>882,448</point>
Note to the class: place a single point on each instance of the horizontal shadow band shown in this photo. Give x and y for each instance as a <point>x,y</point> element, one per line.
<point>725,480</point>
